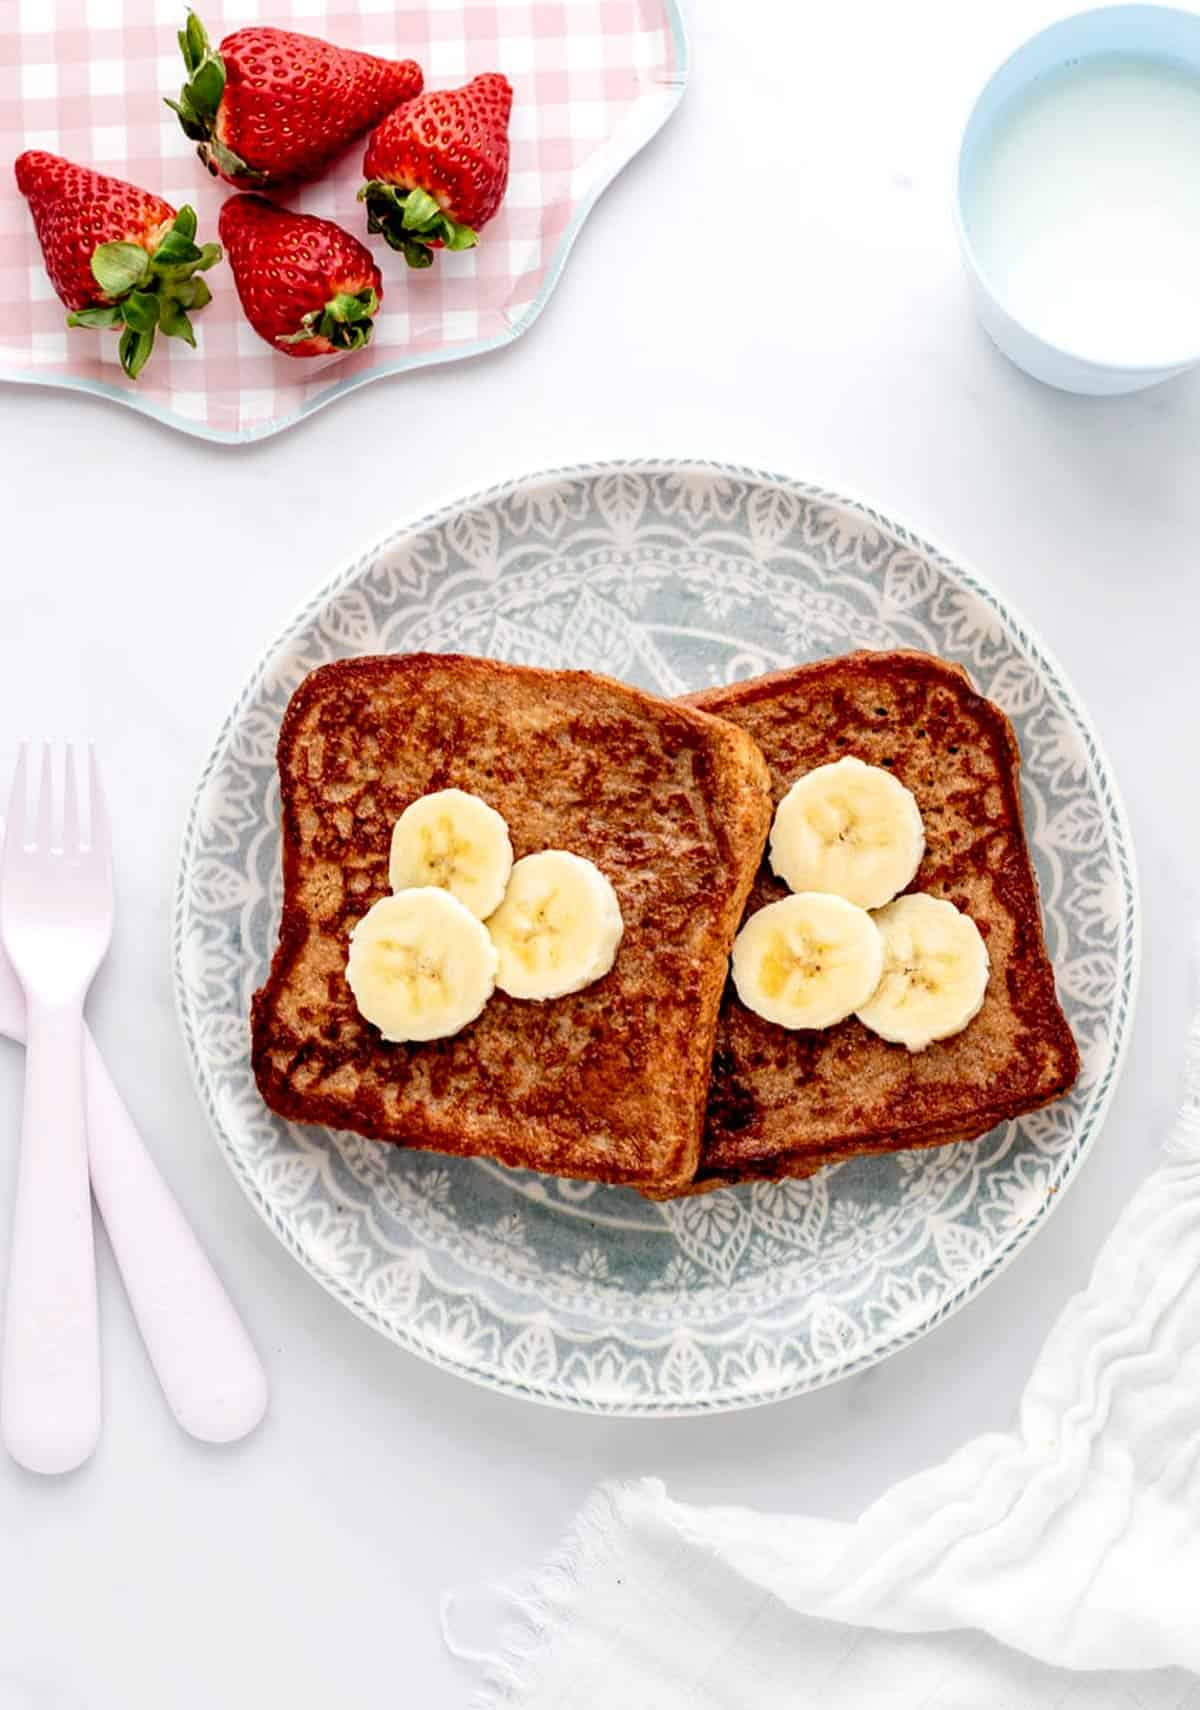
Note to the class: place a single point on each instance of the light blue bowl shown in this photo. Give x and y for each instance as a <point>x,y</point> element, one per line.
<point>1155,32</point>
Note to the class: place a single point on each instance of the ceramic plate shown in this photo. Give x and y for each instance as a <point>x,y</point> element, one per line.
<point>593,80</point>
<point>674,576</point>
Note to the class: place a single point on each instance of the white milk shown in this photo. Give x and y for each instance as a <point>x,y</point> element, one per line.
<point>1084,211</point>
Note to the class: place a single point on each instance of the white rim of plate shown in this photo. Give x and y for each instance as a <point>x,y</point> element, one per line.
<point>1091,1122</point>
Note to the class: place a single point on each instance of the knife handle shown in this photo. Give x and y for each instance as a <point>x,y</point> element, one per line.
<point>199,1348</point>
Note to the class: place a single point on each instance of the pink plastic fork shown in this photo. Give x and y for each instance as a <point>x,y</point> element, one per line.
<point>56,913</point>
<point>199,1347</point>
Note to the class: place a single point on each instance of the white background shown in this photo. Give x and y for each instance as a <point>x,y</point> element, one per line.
<point>774,281</point>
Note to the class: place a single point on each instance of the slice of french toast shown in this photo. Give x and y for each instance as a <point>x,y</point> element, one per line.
<point>609,1083</point>
<point>785,1103</point>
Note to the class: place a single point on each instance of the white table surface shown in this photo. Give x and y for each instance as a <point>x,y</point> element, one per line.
<point>824,333</point>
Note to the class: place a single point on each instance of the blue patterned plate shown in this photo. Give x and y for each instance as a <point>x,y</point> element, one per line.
<point>672,575</point>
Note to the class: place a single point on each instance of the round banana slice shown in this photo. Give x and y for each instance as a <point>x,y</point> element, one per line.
<point>849,829</point>
<point>456,842</point>
<point>935,972</point>
<point>807,961</point>
<point>558,927</point>
<point>421,966</point>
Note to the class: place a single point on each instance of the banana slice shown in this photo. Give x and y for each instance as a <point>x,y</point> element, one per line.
<point>454,841</point>
<point>558,927</point>
<point>935,972</point>
<point>421,966</point>
<point>807,961</point>
<point>849,829</point>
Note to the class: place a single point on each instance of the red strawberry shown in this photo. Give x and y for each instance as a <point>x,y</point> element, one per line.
<point>117,256</point>
<point>273,105</point>
<point>306,285</point>
<point>437,168</point>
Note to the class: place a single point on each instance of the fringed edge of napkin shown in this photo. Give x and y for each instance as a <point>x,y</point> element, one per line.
<point>539,1608</point>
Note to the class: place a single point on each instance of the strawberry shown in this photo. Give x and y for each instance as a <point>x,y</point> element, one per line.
<point>437,168</point>
<point>272,105</point>
<point>117,256</point>
<point>306,285</point>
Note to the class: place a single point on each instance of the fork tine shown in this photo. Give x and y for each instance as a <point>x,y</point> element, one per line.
<point>70,837</point>
<point>98,833</point>
<point>45,806</point>
<point>18,807</point>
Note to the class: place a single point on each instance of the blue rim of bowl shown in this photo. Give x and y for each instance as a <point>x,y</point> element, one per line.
<point>1166,368</point>
<point>674,85</point>
<point>1091,1121</point>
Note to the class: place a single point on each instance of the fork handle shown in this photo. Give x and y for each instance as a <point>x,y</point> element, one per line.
<point>50,1370</point>
<point>204,1359</point>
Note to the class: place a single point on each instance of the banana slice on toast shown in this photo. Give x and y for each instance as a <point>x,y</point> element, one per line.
<point>807,961</point>
<point>421,965</point>
<point>557,929</point>
<point>935,972</point>
<point>848,829</point>
<point>457,842</point>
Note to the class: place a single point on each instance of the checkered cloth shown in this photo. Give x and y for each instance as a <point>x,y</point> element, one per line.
<point>593,80</point>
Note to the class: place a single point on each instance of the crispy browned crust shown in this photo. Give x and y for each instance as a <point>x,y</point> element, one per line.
<point>791,1167</point>
<point>609,1083</point>
<point>785,1104</point>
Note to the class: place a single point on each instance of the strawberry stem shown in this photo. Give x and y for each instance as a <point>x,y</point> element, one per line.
<point>150,291</point>
<point>199,100</point>
<point>411,222</point>
<point>345,322</point>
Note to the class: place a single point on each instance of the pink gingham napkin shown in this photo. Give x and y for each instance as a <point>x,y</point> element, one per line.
<point>593,80</point>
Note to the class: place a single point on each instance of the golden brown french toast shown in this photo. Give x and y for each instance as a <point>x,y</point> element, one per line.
<point>609,1083</point>
<point>785,1103</point>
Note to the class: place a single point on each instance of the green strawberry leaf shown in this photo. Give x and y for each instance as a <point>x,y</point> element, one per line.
<point>108,316</point>
<point>349,306</point>
<point>135,348</point>
<point>152,291</point>
<point>410,221</point>
<point>175,251</point>
<point>140,311</point>
<point>118,267</point>
<point>383,200</point>
<point>192,294</point>
<point>306,330</point>
<point>199,100</point>
<point>352,338</point>
<point>188,121</point>
<point>419,211</point>
<point>174,323</point>
<point>218,158</point>
<point>345,321</point>
<point>458,237</point>
<point>207,86</point>
<point>177,257</point>
<point>193,42</point>
<point>201,94</point>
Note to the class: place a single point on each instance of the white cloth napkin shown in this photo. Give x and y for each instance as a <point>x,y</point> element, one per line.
<point>1072,1543</point>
